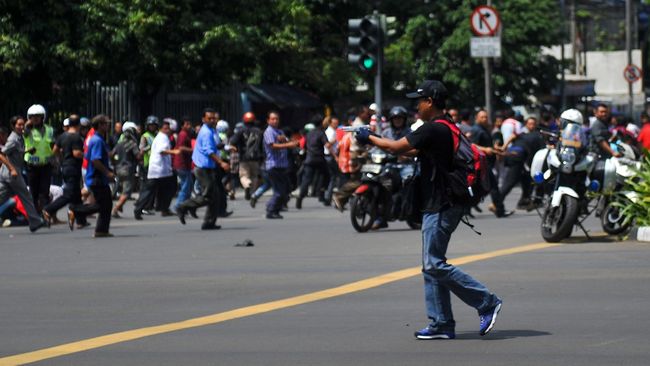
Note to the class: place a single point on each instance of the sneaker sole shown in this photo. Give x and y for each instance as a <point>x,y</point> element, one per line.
<point>438,336</point>
<point>495,313</point>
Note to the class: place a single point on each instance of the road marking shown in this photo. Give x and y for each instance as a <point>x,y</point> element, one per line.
<point>129,335</point>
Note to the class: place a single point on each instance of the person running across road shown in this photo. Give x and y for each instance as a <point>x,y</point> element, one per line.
<point>433,144</point>
<point>39,139</point>
<point>277,162</point>
<point>206,159</point>
<point>11,179</point>
<point>316,142</point>
<point>70,145</point>
<point>98,177</point>
<point>249,141</point>
<point>161,182</point>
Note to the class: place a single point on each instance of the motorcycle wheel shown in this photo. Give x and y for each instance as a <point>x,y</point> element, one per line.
<point>612,220</point>
<point>362,214</point>
<point>557,222</point>
<point>414,225</point>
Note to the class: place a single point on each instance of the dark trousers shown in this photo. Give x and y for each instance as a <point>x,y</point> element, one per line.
<point>497,199</point>
<point>223,195</point>
<point>516,174</point>
<point>334,177</point>
<point>149,205</point>
<point>160,189</point>
<point>71,193</point>
<point>280,183</point>
<point>309,174</point>
<point>209,195</point>
<point>103,205</point>
<point>39,177</point>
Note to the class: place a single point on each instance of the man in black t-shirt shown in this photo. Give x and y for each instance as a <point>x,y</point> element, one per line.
<point>432,143</point>
<point>69,146</point>
<point>315,145</point>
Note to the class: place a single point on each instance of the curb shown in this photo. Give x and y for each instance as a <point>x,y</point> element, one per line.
<point>640,233</point>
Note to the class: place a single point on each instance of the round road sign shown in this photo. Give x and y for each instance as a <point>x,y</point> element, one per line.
<point>632,73</point>
<point>485,21</point>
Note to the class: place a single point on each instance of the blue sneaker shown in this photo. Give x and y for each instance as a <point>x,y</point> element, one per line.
<point>488,319</point>
<point>430,333</point>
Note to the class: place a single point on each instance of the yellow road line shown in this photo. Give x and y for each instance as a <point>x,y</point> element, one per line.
<point>129,335</point>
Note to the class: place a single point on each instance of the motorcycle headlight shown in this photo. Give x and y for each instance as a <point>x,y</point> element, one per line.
<point>378,157</point>
<point>568,156</point>
<point>539,178</point>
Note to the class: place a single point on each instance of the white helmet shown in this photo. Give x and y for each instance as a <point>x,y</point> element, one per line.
<point>173,125</point>
<point>35,110</point>
<point>633,129</point>
<point>129,125</point>
<point>572,115</point>
<point>222,126</point>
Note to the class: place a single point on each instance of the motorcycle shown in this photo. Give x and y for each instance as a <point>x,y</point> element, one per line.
<point>616,172</point>
<point>569,167</point>
<point>383,180</point>
<point>573,184</point>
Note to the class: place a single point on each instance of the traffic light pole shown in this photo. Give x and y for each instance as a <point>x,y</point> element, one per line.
<point>379,69</point>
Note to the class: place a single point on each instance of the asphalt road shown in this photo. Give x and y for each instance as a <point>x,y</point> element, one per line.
<point>579,303</point>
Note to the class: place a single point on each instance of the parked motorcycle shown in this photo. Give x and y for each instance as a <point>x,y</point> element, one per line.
<point>383,180</point>
<point>616,171</point>
<point>569,167</point>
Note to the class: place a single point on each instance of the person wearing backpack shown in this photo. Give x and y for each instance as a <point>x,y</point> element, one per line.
<point>438,143</point>
<point>249,142</point>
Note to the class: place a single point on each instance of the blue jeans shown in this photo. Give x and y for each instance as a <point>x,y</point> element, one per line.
<point>265,186</point>
<point>185,186</point>
<point>441,278</point>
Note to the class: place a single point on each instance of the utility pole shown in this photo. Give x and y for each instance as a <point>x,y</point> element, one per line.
<point>563,58</point>
<point>628,47</point>
<point>487,66</point>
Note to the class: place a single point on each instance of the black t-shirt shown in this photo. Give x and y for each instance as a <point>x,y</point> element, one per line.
<point>483,138</point>
<point>315,146</point>
<point>434,142</point>
<point>68,142</point>
<point>523,148</point>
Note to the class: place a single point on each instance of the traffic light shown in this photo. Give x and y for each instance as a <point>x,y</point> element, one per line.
<point>364,42</point>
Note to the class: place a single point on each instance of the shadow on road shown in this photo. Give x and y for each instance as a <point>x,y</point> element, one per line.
<point>594,239</point>
<point>496,335</point>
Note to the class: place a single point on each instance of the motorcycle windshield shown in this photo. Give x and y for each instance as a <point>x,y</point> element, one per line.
<point>572,136</point>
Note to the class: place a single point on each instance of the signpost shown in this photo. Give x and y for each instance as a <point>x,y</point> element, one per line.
<point>486,23</point>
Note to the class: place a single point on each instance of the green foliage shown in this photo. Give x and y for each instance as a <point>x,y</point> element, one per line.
<point>206,44</point>
<point>639,211</point>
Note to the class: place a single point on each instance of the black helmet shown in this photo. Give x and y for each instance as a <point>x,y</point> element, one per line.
<point>397,111</point>
<point>152,120</point>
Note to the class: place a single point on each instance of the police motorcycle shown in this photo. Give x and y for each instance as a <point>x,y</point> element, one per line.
<point>384,190</point>
<point>564,175</point>
<point>614,172</point>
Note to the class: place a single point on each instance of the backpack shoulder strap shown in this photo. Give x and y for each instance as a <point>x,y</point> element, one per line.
<point>455,131</point>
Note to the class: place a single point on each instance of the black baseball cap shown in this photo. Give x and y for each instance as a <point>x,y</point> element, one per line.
<point>429,88</point>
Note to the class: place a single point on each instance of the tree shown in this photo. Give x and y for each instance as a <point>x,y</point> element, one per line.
<point>435,44</point>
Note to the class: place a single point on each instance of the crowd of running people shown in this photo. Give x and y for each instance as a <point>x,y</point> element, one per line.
<point>94,166</point>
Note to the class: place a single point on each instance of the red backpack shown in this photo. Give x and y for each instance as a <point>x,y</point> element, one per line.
<point>468,180</point>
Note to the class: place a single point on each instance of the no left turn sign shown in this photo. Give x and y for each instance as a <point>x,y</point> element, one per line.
<point>485,21</point>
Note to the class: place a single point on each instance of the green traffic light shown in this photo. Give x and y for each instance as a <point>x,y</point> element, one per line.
<point>368,63</point>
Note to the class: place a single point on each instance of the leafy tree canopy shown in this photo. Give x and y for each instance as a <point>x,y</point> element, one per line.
<point>205,44</point>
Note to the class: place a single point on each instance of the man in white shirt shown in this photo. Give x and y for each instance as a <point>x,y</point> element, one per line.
<point>510,127</point>
<point>160,176</point>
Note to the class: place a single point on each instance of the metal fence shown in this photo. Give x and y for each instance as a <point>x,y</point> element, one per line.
<point>120,103</point>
